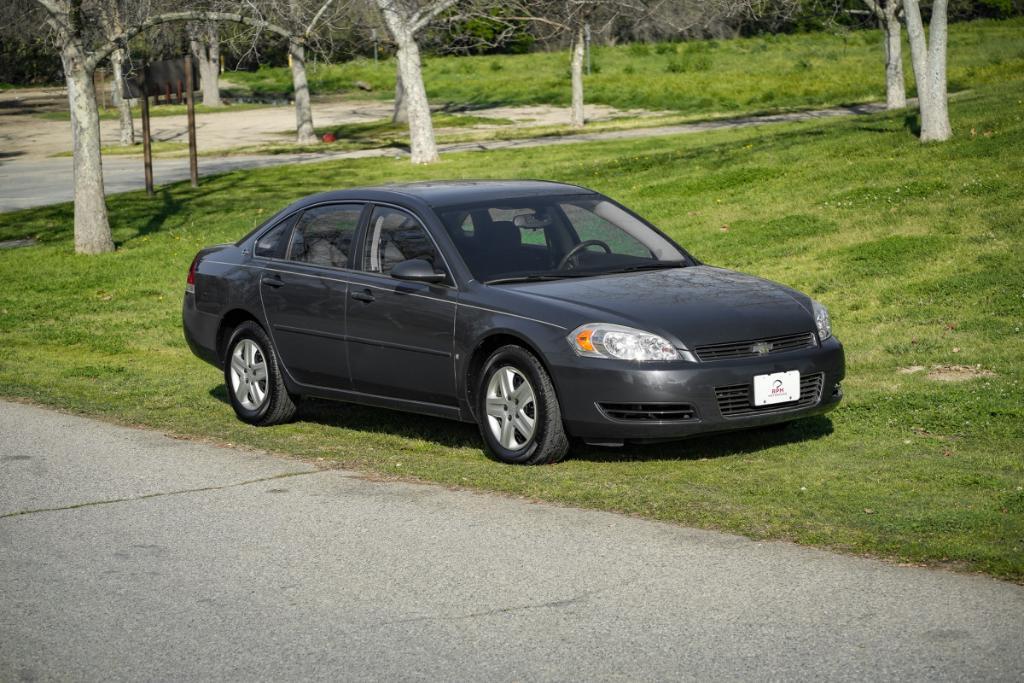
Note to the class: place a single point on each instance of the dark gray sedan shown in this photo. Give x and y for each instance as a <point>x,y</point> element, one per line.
<point>538,310</point>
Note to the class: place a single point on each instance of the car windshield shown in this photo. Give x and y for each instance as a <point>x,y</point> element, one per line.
<point>554,237</point>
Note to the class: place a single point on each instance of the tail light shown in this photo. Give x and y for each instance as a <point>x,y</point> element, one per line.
<point>190,283</point>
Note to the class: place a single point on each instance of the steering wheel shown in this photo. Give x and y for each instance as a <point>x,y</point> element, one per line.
<point>580,247</point>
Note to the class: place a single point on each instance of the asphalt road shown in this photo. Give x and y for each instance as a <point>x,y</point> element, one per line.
<point>26,183</point>
<point>125,554</point>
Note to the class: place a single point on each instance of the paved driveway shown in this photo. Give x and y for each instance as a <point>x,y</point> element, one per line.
<point>125,554</point>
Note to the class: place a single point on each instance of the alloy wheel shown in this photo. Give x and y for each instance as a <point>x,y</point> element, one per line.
<point>511,407</point>
<point>249,374</point>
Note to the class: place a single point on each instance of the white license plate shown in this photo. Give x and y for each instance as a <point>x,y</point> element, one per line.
<point>778,387</point>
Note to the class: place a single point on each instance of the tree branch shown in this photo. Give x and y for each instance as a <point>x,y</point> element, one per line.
<point>122,37</point>
<point>316,17</point>
<point>425,15</point>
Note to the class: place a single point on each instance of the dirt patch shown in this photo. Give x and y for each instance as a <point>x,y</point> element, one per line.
<point>24,135</point>
<point>958,373</point>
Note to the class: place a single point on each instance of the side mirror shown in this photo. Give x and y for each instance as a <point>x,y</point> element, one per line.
<point>416,270</point>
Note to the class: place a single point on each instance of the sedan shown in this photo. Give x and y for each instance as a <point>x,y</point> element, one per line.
<point>542,312</point>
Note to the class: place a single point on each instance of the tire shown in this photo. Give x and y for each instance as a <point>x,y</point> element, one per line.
<point>504,416</point>
<point>258,396</point>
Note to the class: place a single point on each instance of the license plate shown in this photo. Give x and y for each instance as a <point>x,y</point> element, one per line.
<point>778,387</point>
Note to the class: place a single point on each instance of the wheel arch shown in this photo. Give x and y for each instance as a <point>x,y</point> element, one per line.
<point>482,350</point>
<point>228,322</point>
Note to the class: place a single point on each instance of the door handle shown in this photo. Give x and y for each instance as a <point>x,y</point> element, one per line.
<point>364,296</point>
<point>274,281</point>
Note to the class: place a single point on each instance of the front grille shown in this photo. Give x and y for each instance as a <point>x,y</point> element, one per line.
<point>753,348</point>
<point>651,412</point>
<point>736,399</point>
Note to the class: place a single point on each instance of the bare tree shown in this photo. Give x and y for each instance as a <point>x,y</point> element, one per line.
<point>301,20</point>
<point>404,20</point>
<point>928,55</point>
<point>84,41</point>
<point>113,23</point>
<point>888,12</point>
<point>204,43</point>
<point>571,19</point>
<point>400,114</point>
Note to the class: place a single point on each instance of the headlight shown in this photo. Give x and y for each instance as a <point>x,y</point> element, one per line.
<point>821,320</point>
<point>604,340</point>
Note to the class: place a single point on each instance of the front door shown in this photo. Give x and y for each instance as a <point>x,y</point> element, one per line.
<point>400,333</point>
<point>304,296</point>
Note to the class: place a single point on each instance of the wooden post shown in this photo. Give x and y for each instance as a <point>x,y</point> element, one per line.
<point>193,165</point>
<point>147,150</point>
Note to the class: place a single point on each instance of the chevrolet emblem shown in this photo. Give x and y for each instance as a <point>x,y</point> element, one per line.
<point>761,348</point>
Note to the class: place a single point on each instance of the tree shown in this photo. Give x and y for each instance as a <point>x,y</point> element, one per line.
<point>928,55</point>
<point>204,43</point>
<point>571,19</point>
<point>888,14</point>
<point>300,19</point>
<point>84,40</point>
<point>113,23</point>
<point>404,20</point>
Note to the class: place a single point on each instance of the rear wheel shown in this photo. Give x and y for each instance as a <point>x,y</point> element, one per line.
<point>520,419</point>
<point>252,376</point>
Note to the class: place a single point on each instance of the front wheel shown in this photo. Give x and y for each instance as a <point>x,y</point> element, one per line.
<point>519,416</point>
<point>252,376</point>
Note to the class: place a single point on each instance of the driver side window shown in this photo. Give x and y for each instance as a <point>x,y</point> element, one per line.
<point>394,236</point>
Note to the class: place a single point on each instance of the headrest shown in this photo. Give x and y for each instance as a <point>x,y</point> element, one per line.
<point>502,235</point>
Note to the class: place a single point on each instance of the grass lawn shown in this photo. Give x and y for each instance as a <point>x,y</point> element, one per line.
<point>915,249</point>
<point>764,74</point>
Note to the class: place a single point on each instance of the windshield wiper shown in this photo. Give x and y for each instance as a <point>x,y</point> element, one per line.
<point>534,277</point>
<point>657,265</point>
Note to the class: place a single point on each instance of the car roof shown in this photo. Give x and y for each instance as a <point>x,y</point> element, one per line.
<point>437,193</point>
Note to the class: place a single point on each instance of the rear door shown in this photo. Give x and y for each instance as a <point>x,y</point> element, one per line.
<point>400,333</point>
<point>304,295</point>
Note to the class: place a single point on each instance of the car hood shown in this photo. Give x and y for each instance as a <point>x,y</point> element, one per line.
<point>697,305</point>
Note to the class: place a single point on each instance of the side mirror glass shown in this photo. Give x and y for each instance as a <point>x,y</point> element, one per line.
<point>416,270</point>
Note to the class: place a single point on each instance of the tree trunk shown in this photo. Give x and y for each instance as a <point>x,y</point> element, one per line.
<point>421,128</point>
<point>895,86</point>
<point>205,43</point>
<point>939,128</point>
<point>304,132</point>
<point>92,229</point>
<point>401,112</point>
<point>576,118</point>
<point>929,69</point>
<point>124,109</point>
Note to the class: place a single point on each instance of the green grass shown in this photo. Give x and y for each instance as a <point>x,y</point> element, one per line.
<point>916,249</point>
<point>772,73</point>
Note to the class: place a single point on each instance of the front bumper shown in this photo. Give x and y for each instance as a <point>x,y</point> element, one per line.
<point>584,385</point>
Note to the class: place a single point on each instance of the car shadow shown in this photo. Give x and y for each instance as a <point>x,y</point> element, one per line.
<point>712,445</point>
<point>464,435</point>
<point>380,420</point>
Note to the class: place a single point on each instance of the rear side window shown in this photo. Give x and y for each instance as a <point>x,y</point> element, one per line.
<point>273,242</point>
<point>323,236</point>
<point>394,236</point>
